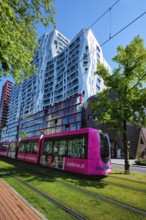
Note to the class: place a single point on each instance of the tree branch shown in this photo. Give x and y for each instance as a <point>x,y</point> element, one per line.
<point>136,83</point>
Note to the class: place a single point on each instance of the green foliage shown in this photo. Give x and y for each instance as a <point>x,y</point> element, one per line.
<point>140,161</point>
<point>23,135</point>
<point>127,83</point>
<point>18,34</point>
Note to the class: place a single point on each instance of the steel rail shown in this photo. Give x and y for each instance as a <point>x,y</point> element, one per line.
<point>103,181</point>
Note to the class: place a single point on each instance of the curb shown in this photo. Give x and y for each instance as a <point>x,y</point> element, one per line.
<point>42,216</point>
<point>133,165</point>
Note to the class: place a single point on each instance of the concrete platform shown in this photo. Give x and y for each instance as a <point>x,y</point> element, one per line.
<point>13,206</point>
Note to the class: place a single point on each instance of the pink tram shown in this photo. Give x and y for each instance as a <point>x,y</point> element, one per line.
<point>29,149</point>
<point>85,151</point>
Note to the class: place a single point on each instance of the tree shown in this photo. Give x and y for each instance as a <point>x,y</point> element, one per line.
<point>127,83</point>
<point>23,135</point>
<point>18,34</point>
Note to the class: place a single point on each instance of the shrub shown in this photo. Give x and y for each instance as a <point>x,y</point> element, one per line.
<point>140,161</point>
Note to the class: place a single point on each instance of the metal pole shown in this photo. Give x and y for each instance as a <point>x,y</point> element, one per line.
<point>18,134</point>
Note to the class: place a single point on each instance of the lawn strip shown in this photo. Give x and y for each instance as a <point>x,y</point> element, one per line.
<point>126,183</point>
<point>133,176</point>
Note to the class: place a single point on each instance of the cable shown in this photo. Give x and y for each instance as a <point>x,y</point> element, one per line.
<point>118,32</point>
<point>103,14</point>
<point>123,28</point>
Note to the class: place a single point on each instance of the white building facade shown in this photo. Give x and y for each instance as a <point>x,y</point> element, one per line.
<point>64,69</point>
<point>73,70</point>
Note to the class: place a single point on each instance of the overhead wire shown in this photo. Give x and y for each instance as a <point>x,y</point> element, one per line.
<point>110,36</point>
<point>114,35</point>
<point>122,29</point>
<point>103,15</point>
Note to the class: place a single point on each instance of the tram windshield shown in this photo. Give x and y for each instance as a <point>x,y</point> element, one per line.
<point>104,147</point>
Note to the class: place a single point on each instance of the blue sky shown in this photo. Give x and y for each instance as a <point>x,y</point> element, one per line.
<point>73,15</point>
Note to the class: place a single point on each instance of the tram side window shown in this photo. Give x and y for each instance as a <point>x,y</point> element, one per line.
<point>28,147</point>
<point>4,146</point>
<point>33,147</point>
<point>77,148</point>
<point>69,147</point>
<point>22,148</point>
<point>60,148</point>
<point>12,147</point>
<point>48,147</point>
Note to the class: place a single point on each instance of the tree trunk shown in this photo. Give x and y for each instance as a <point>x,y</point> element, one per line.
<point>126,148</point>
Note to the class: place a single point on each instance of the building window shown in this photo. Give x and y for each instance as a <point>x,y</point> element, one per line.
<point>83,93</point>
<point>89,116</point>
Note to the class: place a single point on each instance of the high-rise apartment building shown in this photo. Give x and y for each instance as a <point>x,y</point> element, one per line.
<point>64,70</point>
<point>28,96</point>
<point>4,102</point>
<point>72,71</point>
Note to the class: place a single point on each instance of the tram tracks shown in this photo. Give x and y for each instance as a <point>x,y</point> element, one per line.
<point>54,201</point>
<point>102,181</point>
<point>91,193</point>
<point>136,181</point>
<point>127,187</point>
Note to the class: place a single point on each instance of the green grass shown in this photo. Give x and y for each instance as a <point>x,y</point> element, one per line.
<point>87,205</point>
<point>118,193</point>
<point>132,177</point>
<point>138,185</point>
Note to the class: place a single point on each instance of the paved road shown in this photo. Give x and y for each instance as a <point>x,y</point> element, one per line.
<point>121,161</point>
<point>133,168</point>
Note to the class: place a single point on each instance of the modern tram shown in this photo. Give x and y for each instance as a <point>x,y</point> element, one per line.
<point>85,151</point>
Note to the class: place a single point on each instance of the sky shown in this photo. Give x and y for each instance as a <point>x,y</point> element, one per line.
<point>73,15</point>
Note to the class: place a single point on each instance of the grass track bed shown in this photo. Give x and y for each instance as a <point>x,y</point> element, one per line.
<point>89,206</point>
<point>127,183</point>
<point>135,177</point>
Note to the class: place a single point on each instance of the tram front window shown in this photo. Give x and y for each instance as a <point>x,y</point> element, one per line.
<point>104,148</point>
